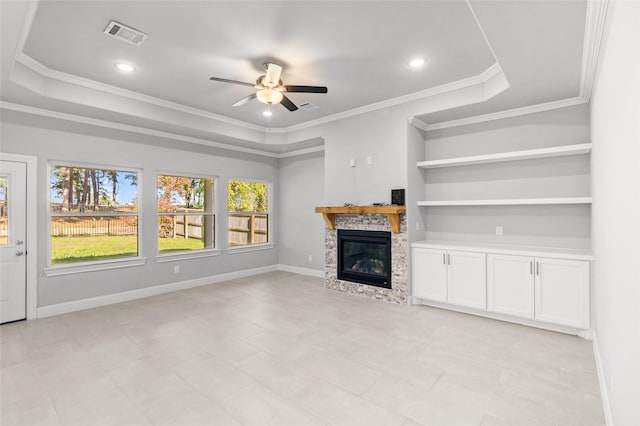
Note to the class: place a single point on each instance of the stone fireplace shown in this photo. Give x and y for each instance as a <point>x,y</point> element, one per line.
<point>368,218</point>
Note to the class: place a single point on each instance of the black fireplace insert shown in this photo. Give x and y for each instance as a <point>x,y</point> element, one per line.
<point>365,257</point>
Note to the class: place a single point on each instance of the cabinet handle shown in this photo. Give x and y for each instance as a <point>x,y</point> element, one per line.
<point>537,268</point>
<point>531,267</point>
<point>448,259</point>
<point>444,259</point>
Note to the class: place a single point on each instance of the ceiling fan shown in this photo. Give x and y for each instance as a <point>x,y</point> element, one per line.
<point>271,89</point>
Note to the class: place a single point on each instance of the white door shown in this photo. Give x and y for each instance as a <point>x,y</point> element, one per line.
<point>13,213</point>
<point>467,279</point>
<point>562,292</point>
<point>429,278</point>
<point>510,285</point>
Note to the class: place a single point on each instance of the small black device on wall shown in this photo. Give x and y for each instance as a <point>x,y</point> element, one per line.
<point>397,197</point>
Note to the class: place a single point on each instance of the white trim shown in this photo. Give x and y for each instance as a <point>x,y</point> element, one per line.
<point>47,72</point>
<point>515,112</point>
<point>301,152</point>
<point>417,123</point>
<point>302,271</point>
<point>32,228</point>
<point>507,202</point>
<point>250,247</point>
<point>187,255</point>
<point>93,302</point>
<point>549,152</point>
<point>481,78</point>
<point>497,316</point>
<point>128,128</point>
<point>604,393</point>
<point>102,265</point>
<point>593,36</point>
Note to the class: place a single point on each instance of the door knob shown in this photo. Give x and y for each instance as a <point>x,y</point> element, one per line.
<point>19,253</point>
<point>19,242</point>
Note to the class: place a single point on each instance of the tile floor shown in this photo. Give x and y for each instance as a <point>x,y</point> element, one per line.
<point>280,349</point>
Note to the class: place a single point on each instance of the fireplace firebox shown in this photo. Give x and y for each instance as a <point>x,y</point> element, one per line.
<point>365,257</point>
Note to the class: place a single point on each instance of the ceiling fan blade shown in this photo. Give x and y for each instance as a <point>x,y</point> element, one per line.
<point>306,89</point>
<point>245,100</point>
<point>286,102</point>
<point>226,80</point>
<point>273,74</point>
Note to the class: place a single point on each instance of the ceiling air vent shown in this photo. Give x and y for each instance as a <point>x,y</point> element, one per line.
<point>125,33</point>
<point>308,106</point>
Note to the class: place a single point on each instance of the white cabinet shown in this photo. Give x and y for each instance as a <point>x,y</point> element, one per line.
<point>544,289</point>
<point>562,292</point>
<point>455,277</point>
<point>429,274</point>
<point>510,285</point>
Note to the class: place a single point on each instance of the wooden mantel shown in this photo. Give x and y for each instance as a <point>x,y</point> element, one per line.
<point>393,214</point>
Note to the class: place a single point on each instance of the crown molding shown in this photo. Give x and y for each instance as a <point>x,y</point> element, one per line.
<point>149,132</point>
<point>47,72</point>
<point>481,78</point>
<point>593,36</point>
<point>418,124</point>
<point>499,115</point>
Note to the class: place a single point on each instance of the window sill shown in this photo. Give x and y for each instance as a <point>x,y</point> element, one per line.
<point>182,255</point>
<point>102,265</point>
<point>248,248</point>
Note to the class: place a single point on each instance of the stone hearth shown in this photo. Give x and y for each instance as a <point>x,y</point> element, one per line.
<point>399,257</point>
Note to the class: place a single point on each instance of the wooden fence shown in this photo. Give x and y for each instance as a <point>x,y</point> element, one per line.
<point>248,228</point>
<point>93,226</point>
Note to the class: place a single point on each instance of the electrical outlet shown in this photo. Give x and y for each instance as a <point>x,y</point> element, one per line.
<point>310,258</point>
<point>370,160</point>
<point>417,226</point>
<point>176,269</point>
<point>352,162</point>
<point>499,230</point>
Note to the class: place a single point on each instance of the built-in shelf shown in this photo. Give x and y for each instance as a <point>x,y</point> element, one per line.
<point>556,151</point>
<point>393,214</point>
<point>507,202</point>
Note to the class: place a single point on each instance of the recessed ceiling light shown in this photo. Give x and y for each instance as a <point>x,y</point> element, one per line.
<point>416,62</point>
<point>267,113</point>
<point>125,67</point>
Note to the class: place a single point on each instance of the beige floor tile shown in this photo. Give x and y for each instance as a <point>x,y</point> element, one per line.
<point>280,349</point>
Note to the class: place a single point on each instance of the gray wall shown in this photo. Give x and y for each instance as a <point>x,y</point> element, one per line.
<point>59,141</point>
<point>301,228</point>
<point>545,225</point>
<point>615,116</point>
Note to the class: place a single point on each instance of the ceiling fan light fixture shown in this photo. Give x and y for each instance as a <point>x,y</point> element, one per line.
<point>269,96</point>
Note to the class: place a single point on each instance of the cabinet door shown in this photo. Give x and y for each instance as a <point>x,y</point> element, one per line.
<point>510,285</point>
<point>429,275</point>
<point>562,292</point>
<point>467,279</point>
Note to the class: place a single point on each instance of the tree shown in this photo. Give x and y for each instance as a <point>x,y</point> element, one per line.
<point>246,196</point>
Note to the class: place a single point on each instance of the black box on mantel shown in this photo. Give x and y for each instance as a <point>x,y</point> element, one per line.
<point>397,197</point>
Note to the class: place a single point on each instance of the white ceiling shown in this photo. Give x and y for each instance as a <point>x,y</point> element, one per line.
<point>358,49</point>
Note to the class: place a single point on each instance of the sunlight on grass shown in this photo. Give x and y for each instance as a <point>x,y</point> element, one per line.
<point>83,249</point>
<point>168,245</point>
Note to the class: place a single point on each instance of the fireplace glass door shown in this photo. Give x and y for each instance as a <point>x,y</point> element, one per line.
<point>365,257</point>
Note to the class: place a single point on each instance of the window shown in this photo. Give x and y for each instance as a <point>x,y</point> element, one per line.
<point>93,214</point>
<point>248,213</point>
<point>186,217</point>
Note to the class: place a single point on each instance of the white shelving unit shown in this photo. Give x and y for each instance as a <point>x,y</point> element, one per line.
<point>507,202</point>
<point>556,151</point>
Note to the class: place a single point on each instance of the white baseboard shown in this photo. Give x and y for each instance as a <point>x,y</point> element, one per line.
<point>602,379</point>
<point>302,271</point>
<point>108,299</point>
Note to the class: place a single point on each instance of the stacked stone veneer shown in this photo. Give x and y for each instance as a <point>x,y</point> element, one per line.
<point>399,257</point>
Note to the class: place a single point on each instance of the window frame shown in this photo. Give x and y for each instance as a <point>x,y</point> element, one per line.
<point>190,254</point>
<point>53,269</point>
<point>256,246</point>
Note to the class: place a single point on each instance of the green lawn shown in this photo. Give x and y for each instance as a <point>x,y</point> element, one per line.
<point>79,249</point>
